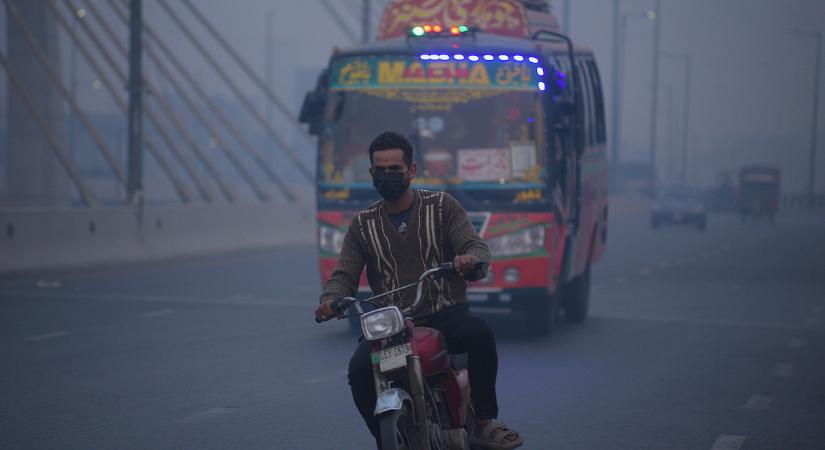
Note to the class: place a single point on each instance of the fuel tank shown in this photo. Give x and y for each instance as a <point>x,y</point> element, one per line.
<point>429,344</point>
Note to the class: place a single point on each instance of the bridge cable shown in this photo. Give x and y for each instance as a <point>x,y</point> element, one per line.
<point>226,189</point>
<point>240,96</point>
<point>86,195</point>
<point>247,175</point>
<point>182,191</point>
<point>55,77</point>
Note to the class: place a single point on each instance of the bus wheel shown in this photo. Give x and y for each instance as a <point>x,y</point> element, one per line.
<point>576,298</point>
<point>542,318</point>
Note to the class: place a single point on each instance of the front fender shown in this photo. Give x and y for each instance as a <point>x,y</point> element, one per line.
<point>391,399</point>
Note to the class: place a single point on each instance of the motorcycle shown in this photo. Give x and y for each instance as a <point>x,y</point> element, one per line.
<point>423,391</point>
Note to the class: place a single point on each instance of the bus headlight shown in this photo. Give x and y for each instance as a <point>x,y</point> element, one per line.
<point>382,322</point>
<point>527,240</point>
<point>331,240</point>
<point>511,275</point>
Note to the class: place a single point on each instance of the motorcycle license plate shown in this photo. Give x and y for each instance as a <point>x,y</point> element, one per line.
<point>394,357</point>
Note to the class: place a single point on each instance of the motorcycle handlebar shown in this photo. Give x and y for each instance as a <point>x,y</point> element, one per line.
<point>443,267</point>
<point>338,306</point>
<point>341,304</point>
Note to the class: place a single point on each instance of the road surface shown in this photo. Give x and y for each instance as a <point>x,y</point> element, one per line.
<point>696,340</point>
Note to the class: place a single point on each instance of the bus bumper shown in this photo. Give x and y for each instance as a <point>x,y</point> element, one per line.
<point>504,301</point>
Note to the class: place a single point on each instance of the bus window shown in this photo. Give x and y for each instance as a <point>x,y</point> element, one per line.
<point>601,132</point>
<point>590,135</point>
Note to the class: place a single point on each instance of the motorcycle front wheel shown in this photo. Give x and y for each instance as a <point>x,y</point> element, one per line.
<point>398,429</point>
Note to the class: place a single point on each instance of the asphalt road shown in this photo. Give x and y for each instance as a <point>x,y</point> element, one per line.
<point>696,340</point>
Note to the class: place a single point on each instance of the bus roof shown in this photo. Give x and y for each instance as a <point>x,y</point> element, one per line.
<point>517,18</point>
<point>473,42</point>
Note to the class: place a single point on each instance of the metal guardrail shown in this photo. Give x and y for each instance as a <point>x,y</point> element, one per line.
<point>801,203</point>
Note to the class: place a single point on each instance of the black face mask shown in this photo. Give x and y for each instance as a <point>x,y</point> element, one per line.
<point>391,185</point>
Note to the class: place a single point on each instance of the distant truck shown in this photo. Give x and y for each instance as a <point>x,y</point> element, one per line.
<point>758,193</point>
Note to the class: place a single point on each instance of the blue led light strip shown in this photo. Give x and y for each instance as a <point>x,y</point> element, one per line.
<point>488,57</point>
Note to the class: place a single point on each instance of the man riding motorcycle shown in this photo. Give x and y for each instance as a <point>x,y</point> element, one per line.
<point>399,238</point>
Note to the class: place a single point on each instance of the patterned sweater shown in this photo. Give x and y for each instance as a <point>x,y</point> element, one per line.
<point>438,231</point>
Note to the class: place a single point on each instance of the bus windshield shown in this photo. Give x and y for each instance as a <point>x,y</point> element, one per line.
<point>467,137</point>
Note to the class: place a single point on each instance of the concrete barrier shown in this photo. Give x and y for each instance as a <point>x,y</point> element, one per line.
<point>37,239</point>
<point>798,203</point>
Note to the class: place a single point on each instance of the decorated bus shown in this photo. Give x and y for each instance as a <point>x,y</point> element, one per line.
<point>506,114</point>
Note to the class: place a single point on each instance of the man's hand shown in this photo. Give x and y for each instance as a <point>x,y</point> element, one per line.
<point>464,263</point>
<point>324,311</point>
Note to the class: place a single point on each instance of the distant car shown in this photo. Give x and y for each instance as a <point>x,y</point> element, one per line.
<point>679,206</point>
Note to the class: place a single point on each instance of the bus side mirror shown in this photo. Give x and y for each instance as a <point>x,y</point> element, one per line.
<point>566,108</point>
<point>312,112</point>
<point>564,116</point>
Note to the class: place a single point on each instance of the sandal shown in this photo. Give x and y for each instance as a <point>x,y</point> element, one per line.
<point>496,436</point>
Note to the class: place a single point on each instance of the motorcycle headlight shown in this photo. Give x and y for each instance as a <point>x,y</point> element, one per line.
<point>527,240</point>
<point>331,240</point>
<point>382,322</point>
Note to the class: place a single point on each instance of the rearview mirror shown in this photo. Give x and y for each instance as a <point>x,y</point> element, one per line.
<point>312,112</point>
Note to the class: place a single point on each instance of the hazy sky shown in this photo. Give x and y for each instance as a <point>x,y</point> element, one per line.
<point>752,78</point>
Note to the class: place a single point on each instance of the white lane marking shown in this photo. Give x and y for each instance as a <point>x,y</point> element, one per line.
<point>338,376</point>
<point>206,415</point>
<point>783,369</point>
<point>728,442</point>
<point>621,280</point>
<point>162,298</point>
<point>48,284</point>
<point>796,342</point>
<point>710,322</point>
<point>156,313</point>
<point>664,264</point>
<point>645,271</point>
<point>759,401</point>
<point>817,310</point>
<point>44,336</point>
<point>239,297</point>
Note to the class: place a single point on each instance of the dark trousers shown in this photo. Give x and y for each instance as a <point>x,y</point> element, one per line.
<point>464,333</point>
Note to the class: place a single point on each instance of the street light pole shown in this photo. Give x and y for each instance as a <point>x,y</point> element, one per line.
<point>654,94</point>
<point>614,107</point>
<point>270,14</point>
<point>365,21</point>
<point>814,115</point>
<point>73,88</point>
<point>814,120</point>
<point>134,184</point>
<point>686,110</point>
<point>686,118</point>
<point>620,31</point>
<point>668,135</point>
